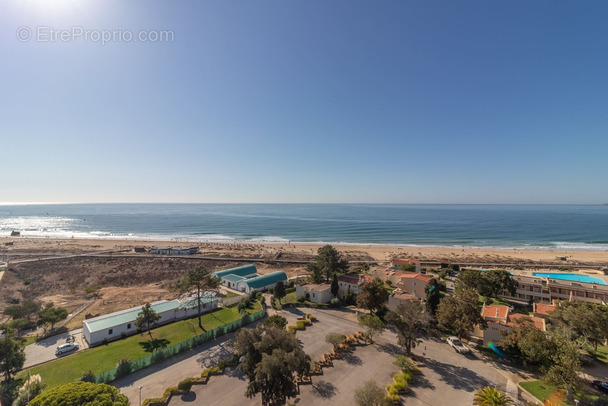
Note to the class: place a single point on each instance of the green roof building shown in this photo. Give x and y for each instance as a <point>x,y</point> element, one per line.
<point>262,282</point>
<point>231,277</point>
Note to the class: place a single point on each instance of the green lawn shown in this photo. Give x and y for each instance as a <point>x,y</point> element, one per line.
<point>539,389</point>
<point>543,390</point>
<point>105,357</point>
<point>290,298</point>
<point>229,295</point>
<point>601,354</point>
<point>29,340</point>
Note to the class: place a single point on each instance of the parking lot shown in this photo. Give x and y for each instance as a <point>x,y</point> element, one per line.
<point>44,350</point>
<point>446,376</point>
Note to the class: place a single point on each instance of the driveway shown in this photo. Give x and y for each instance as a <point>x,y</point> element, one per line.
<point>44,350</point>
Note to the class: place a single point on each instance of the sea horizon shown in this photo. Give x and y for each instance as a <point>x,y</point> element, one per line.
<point>481,226</point>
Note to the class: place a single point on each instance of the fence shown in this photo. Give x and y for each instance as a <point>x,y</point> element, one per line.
<point>164,353</point>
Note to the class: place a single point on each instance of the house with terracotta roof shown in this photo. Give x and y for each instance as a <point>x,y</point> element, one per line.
<point>543,309</point>
<point>352,282</point>
<point>398,297</point>
<point>499,319</point>
<point>414,283</point>
<point>398,263</point>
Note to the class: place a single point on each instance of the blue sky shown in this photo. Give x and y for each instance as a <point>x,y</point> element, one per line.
<point>306,101</point>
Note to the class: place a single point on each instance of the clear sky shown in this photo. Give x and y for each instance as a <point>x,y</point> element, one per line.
<point>304,101</point>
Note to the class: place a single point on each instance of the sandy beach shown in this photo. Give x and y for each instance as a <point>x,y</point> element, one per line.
<point>380,253</point>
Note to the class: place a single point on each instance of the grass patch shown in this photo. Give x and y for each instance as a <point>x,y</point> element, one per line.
<point>29,340</point>
<point>539,389</point>
<point>229,295</point>
<point>601,354</point>
<point>544,391</point>
<point>290,298</point>
<point>105,357</point>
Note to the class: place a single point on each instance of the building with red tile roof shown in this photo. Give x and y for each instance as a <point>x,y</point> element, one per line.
<point>499,319</point>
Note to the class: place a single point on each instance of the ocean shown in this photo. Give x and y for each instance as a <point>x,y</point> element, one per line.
<point>563,227</point>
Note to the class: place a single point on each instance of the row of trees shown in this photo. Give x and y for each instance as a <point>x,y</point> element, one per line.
<point>30,314</point>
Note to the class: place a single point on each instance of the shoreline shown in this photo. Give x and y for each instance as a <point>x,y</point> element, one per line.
<point>306,250</point>
<point>158,240</point>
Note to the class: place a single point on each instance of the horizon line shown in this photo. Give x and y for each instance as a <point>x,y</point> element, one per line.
<point>306,203</point>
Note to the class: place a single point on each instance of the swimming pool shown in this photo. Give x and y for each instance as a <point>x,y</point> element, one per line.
<point>570,277</point>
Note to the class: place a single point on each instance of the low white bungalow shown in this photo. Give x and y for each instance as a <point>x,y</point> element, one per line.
<point>122,323</point>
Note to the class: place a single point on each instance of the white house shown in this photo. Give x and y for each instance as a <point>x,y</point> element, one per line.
<point>122,323</point>
<point>316,293</point>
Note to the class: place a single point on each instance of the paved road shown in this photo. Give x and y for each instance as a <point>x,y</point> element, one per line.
<point>44,350</point>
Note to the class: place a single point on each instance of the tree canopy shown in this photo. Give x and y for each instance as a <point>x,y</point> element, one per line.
<point>461,312</point>
<point>50,315</point>
<point>433,296</point>
<point>335,286</point>
<point>203,280</point>
<point>279,291</point>
<point>270,358</point>
<point>146,318</point>
<point>373,325</point>
<point>490,396</point>
<point>489,284</point>
<point>527,343</point>
<point>373,295</point>
<point>587,320</point>
<point>12,356</point>
<point>81,394</point>
<point>277,321</point>
<point>409,319</point>
<point>327,262</point>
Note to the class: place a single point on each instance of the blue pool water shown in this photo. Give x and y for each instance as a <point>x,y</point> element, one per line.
<point>570,277</point>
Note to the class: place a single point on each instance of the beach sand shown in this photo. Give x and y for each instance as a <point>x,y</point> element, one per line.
<point>381,253</point>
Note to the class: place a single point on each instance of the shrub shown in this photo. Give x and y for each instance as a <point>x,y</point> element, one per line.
<point>301,299</point>
<point>185,385</point>
<point>335,302</point>
<point>123,368</point>
<point>88,376</point>
<point>405,364</point>
<point>169,391</point>
<point>291,329</point>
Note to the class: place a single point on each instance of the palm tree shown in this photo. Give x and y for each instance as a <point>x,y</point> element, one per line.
<point>490,396</point>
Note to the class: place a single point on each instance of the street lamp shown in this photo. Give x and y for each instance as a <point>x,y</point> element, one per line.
<point>140,396</point>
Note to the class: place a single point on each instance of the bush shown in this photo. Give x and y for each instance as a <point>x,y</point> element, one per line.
<point>301,299</point>
<point>335,302</point>
<point>88,376</point>
<point>169,391</point>
<point>405,364</point>
<point>185,385</point>
<point>291,329</point>
<point>290,284</point>
<point>123,368</point>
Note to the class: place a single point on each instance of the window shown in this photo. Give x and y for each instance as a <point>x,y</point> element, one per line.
<point>129,325</point>
<point>110,331</point>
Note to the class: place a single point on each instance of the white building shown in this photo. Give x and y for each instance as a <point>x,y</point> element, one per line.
<point>122,323</point>
<point>231,277</point>
<point>316,293</point>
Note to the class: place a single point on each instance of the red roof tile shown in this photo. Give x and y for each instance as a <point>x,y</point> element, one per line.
<point>543,309</point>
<point>538,321</point>
<point>495,312</point>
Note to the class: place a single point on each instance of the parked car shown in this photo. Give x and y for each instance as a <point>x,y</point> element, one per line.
<point>63,348</point>
<point>458,345</point>
<point>601,386</point>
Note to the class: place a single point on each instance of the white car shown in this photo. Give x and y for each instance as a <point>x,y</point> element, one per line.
<point>458,345</point>
<point>63,348</point>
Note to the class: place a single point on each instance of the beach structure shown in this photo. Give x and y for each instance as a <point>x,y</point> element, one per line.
<point>120,324</point>
<point>399,263</point>
<point>499,319</point>
<point>231,277</point>
<point>163,250</point>
<point>543,289</point>
<point>352,282</point>
<point>316,293</point>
